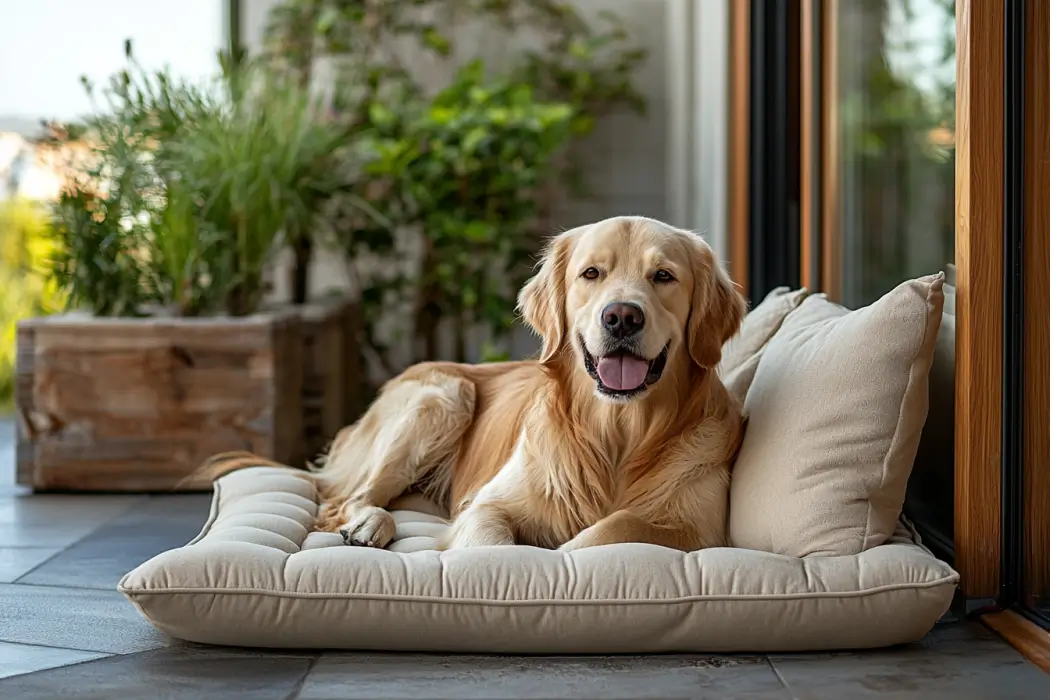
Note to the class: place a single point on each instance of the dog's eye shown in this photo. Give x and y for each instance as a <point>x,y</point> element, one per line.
<point>663,276</point>
<point>591,273</point>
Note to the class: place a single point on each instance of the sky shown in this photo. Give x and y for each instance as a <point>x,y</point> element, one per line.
<point>46,45</point>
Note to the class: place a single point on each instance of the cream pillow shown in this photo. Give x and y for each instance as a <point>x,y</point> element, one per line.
<point>741,353</point>
<point>835,413</point>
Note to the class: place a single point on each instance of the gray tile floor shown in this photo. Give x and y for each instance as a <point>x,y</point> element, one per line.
<point>66,633</point>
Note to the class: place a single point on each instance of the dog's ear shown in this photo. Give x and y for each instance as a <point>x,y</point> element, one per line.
<point>717,309</point>
<point>542,300</point>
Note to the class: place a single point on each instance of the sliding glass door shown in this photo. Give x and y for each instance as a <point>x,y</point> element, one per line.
<point>917,136</point>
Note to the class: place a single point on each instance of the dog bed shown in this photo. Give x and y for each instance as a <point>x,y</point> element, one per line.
<point>835,401</point>
<point>257,576</point>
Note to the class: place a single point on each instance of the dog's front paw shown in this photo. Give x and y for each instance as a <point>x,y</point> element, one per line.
<point>369,527</point>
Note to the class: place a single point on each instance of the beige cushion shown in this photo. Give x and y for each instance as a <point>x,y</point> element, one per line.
<point>741,353</point>
<point>257,576</point>
<point>835,413</point>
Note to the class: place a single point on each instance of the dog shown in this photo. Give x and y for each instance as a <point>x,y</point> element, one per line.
<point>620,431</point>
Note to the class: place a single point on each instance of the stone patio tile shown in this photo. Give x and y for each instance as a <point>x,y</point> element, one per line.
<point>87,620</point>
<point>16,659</point>
<point>18,561</point>
<point>177,673</point>
<point>101,558</point>
<point>961,661</point>
<point>418,676</point>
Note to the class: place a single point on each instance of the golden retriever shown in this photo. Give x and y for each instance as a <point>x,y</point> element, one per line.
<point>620,432</point>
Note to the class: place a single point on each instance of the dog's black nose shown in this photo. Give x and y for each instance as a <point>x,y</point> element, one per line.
<point>623,319</point>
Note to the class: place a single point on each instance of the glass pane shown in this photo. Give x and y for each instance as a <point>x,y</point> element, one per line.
<point>896,92</point>
<point>895,195</point>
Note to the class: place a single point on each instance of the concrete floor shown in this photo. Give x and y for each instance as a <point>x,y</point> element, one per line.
<point>66,632</point>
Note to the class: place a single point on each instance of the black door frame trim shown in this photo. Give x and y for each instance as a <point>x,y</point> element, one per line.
<point>1013,525</point>
<point>774,157</point>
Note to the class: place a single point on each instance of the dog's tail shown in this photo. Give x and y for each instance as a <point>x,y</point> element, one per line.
<point>224,463</point>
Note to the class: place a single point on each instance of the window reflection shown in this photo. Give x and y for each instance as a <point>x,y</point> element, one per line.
<point>896,137</point>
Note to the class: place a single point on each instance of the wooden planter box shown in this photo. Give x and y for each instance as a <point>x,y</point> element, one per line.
<point>331,370</point>
<point>139,404</point>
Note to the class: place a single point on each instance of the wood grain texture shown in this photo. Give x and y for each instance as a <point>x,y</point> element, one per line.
<point>739,139</point>
<point>1032,641</point>
<point>355,399</point>
<point>1037,318</point>
<point>979,267</point>
<point>331,370</point>
<point>286,341</point>
<point>137,405</point>
<point>830,165</point>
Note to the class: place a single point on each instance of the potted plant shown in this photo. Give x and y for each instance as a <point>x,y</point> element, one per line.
<point>168,353</point>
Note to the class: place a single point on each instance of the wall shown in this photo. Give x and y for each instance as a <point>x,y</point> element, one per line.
<point>669,164</point>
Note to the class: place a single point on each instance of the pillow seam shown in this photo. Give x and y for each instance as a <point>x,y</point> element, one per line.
<point>950,579</point>
<point>900,413</point>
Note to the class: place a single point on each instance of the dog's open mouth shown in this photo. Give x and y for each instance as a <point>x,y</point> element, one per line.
<point>623,374</point>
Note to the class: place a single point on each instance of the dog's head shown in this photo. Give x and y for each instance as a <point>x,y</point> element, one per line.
<point>629,296</point>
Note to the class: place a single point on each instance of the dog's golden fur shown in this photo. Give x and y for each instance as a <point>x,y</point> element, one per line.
<point>529,452</point>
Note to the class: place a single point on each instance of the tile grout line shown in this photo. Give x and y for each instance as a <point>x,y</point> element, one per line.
<point>63,550</point>
<point>301,683</point>
<point>112,589</point>
<point>783,682</point>
<point>52,646</point>
<point>39,564</point>
<point>61,666</point>
<point>83,537</point>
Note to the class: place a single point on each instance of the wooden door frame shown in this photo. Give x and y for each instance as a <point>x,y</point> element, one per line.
<point>979,298</point>
<point>1036,480</point>
<point>820,254</point>
<point>739,141</point>
<point>815,159</point>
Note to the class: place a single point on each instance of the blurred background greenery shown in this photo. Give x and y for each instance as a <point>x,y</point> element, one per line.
<point>26,289</point>
<point>897,138</point>
<point>178,195</point>
<point>432,195</point>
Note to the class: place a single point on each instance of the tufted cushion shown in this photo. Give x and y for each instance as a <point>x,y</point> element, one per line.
<point>257,576</point>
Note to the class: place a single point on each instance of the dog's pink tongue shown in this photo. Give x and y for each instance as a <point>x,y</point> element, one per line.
<point>623,372</point>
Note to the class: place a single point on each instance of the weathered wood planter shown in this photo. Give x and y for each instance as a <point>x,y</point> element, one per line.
<point>139,404</point>
<point>331,370</point>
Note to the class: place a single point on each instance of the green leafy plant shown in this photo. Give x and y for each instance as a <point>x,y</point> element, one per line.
<point>467,169</point>
<point>181,249</point>
<point>191,189</point>
<point>466,172</point>
<point>114,231</point>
